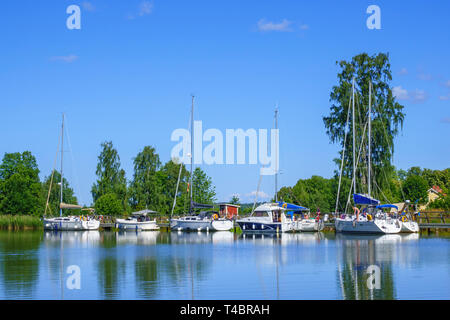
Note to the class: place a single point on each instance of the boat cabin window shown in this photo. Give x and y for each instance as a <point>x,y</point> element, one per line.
<point>260,214</point>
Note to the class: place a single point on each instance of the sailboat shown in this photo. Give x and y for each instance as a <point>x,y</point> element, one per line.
<point>407,219</point>
<point>208,220</point>
<point>371,219</point>
<point>68,223</point>
<point>269,217</point>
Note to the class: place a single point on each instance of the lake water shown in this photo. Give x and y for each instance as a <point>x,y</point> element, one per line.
<point>222,265</point>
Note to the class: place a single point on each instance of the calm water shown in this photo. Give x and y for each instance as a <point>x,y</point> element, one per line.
<point>222,265</point>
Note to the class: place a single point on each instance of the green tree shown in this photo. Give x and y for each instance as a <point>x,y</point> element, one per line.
<point>55,194</point>
<point>168,177</point>
<point>109,205</point>
<point>387,117</point>
<point>20,188</point>
<point>235,199</point>
<point>145,188</point>
<point>203,189</point>
<point>110,177</point>
<point>415,188</point>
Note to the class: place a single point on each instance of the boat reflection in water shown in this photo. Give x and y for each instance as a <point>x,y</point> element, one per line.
<point>359,259</point>
<point>196,265</point>
<point>75,238</point>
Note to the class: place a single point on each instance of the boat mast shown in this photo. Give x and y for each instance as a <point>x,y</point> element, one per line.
<point>354,134</point>
<point>192,148</point>
<point>276,154</point>
<point>62,152</point>
<point>370,116</point>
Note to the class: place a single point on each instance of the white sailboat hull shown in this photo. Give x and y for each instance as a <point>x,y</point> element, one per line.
<point>70,224</point>
<point>308,225</point>
<point>136,225</point>
<point>381,226</point>
<point>410,227</point>
<point>222,225</point>
<point>191,225</point>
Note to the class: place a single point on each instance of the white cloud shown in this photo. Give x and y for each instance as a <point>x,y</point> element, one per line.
<point>68,59</point>
<point>403,71</point>
<point>304,27</point>
<point>444,98</point>
<point>419,96</point>
<point>88,6</point>
<point>416,96</point>
<point>445,120</point>
<point>282,26</point>
<point>424,76</point>
<point>400,93</point>
<point>145,8</point>
<point>447,84</point>
<point>261,194</point>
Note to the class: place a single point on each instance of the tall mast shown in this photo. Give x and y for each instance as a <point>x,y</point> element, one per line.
<point>276,154</point>
<point>354,135</point>
<point>192,147</point>
<point>62,152</point>
<point>370,119</point>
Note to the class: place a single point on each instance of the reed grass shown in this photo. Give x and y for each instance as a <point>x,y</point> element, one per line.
<point>20,222</point>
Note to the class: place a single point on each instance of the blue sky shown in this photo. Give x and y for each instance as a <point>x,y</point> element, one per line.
<point>128,74</point>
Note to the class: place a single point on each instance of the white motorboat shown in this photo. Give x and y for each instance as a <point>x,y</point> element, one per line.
<point>268,217</point>
<point>138,221</point>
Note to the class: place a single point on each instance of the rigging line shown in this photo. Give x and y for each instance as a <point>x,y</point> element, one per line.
<point>357,161</point>
<point>178,181</point>
<point>391,146</point>
<point>382,193</point>
<point>51,179</point>
<point>187,192</point>
<point>74,172</point>
<point>257,191</point>
<point>343,154</point>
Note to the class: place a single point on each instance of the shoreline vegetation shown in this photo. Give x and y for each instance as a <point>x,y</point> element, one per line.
<point>20,222</point>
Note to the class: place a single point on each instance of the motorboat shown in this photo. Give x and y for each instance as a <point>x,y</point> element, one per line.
<point>139,221</point>
<point>268,217</point>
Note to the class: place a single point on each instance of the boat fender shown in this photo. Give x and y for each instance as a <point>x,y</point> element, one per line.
<point>369,217</point>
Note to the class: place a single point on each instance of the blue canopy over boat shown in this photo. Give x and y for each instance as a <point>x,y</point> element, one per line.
<point>293,208</point>
<point>364,199</point>
<point>387,206</point>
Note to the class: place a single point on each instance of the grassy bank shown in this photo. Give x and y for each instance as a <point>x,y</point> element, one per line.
<point>16,222</point>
